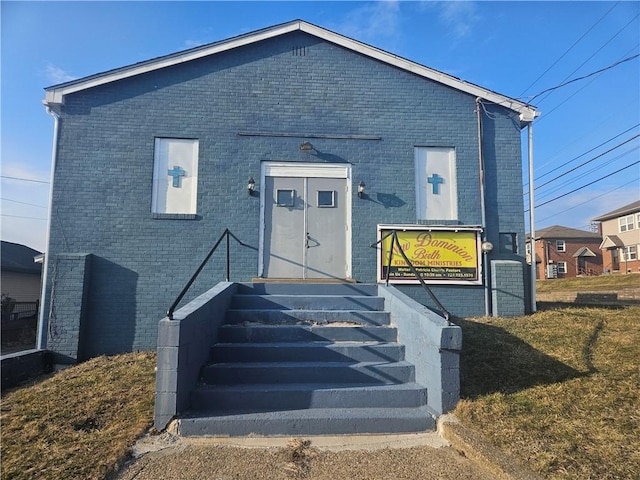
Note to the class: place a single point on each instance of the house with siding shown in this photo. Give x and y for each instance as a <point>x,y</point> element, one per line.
<point>306,145</point>
<point>620,245</point>
<point>21,272</point>
<point>563,252</point>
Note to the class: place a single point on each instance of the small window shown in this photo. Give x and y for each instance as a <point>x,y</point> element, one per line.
<point>508,243</point>
<point>285,198</point>
<point>626,223</point>
<point>638,220</point>
<point>561,246</point>
<point>326,198</point>
<point>630,253</point>
<point>562,267</point>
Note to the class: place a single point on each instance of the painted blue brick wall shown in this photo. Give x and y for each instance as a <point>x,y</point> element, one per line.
<point>103,179</point>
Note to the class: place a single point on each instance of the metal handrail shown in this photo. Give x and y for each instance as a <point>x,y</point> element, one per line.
<point>396,242</point>
<point>226,234</point>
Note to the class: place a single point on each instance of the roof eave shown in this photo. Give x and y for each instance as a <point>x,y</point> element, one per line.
<point>54,96</point>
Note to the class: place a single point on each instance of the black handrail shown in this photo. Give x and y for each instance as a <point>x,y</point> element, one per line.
<point>396,242</point>
<point>226,234</point>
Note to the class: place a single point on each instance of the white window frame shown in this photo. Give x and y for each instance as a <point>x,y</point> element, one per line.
<point>168,199</point>
<point>630,253</point>
<point>441,162</point>
<point>638,220</point>
<point>626,223</point>
<point>562,268</point>
<point>561,246</point>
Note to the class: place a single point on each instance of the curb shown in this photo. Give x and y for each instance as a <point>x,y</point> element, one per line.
<point>474,446</point>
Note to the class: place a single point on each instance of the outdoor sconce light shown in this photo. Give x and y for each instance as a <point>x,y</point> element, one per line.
<point>251,185</point>
<point>361,186</point>
<point>306,147</point>
<point>486,247</point>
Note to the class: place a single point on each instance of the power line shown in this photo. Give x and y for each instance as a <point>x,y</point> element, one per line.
<point>588,161</point>
<point>581,155</point>
<point>613,65</point>
<point>568,50</point>
<point>588,172</point>
<point>593,55</point>
<point>546,115</point>
<point>24,179</point>
<point>18,216</point>
<point>590,200</point>
<point>584,186</point>
<point>23,203</point>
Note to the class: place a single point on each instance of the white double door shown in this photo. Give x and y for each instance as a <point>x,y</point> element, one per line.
<point>306,221</point>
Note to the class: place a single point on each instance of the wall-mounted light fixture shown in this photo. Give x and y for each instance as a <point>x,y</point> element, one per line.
<point>486,246</point>
<point>306,147</point>
<point>361,186</point>
<point>251,185</point>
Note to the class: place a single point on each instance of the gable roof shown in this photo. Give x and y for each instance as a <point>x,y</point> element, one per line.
<point>611,241</point>
<point>19,258</point>
<point>584,252</point>
<point>626,210</point>
<point>566,233</point>
<point>54,95</point>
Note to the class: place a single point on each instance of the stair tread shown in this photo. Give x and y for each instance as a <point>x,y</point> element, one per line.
<point>301,325</point>
<point>312,344</point>
<point>308,413</point>
<point>290,387</point>
<point>307,364</point>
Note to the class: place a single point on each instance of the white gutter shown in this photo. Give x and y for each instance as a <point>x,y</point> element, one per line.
<point>41,340</point>
<point>532,238</point>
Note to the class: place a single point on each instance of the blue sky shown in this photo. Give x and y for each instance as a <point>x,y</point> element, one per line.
<point>515,48</point>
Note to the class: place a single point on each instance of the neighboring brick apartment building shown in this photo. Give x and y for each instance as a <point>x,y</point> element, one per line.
<point>154,160</point>
<point>563,252</point>
<point>621,239</point>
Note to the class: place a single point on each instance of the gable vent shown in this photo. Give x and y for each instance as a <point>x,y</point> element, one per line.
<point>299,51</point>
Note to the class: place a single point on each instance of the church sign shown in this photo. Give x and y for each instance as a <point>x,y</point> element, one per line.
<point>441,255</point>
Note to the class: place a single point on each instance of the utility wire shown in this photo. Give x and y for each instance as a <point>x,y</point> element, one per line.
<point>584,186</point>
<point>592,55</point>
<point>588,172</point>
<point>590,200</point>
<point>23,203</point>
<point>24,179</point>
<point>546,115</point>
<point>613,65</point>
<point>568,50</point>
<point>581,155</point>
<point>18,216</point>
<point>588,161</point>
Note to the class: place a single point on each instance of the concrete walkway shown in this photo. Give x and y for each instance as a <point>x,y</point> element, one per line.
<point>452,453</point>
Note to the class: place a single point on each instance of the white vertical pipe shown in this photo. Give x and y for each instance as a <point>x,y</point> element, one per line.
<point>41,341</point>
<point>532,220</point>
<point>485,259</point>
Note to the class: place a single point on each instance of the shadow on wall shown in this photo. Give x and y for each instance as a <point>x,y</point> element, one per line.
<point>110,323</point>
<point>493,360</point>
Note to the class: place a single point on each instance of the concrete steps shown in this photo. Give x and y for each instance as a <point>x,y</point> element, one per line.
<point>307,359</point>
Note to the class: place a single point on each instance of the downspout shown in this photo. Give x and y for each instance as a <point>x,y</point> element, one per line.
<point>41,342</point>
<point>532,221</point>
<point>485,263</point>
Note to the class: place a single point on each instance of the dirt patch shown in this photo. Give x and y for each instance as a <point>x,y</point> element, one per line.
<point>300,459</point>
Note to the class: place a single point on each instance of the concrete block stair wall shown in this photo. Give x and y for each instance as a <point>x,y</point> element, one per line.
<point>307,359</point>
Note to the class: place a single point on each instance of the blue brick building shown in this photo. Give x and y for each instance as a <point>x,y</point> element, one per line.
<point>153,162</point>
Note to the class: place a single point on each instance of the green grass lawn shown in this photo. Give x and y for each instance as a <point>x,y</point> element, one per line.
<point>557,389</point>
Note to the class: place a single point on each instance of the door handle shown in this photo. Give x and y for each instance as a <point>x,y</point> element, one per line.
<point>306,243</point>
